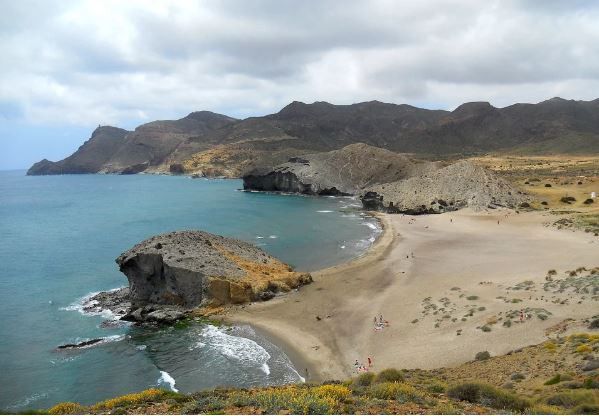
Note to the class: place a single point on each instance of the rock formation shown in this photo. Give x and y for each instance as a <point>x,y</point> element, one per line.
<point>555,125</point>
<point>181,270</point>
<point>459,185</point>
<point>339,172</point>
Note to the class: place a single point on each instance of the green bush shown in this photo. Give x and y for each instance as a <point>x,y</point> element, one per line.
<point>364,379</point>
<point>487,395</point>
<point>572,398</point>
<point>554,380</point>
<point>395,391</point>
<point>543,409</point>
<point>483,355</point>
<point>586,409</point>
<point>472,297</point>
<point>389,375</point>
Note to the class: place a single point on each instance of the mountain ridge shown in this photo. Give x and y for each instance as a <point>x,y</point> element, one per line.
<point>299,128</point>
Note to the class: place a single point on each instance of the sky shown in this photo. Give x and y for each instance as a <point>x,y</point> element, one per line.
<point>68,66</point>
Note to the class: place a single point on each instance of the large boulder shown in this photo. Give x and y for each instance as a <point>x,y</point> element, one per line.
<point>196,268</point>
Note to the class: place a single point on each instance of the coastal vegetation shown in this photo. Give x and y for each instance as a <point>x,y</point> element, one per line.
<point>519,382</point>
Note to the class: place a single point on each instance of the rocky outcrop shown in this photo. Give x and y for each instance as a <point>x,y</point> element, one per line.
<point>339,172</point>
<point>188,269</point>
<point>459,185</point>
<point>91,157</point>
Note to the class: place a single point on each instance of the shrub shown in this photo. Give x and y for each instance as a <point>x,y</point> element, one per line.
<point>543,409</point>
<point>395,391</point>
<point>588,201</point>
<point>518,376</point>
<point>584,348</point>
<point>364,379</point>
<point>67,408</point>
<point>436,387</point>
<point>297,400</point>
<point>389,375</point>
<point>572,398</point>
<point>542,316</point>
<point>472,297</point>
<point>485,328</point>
<point>554,380</point>
<point>131,399</point>
<point>507,323</point>
<point>567,199</point>
<point>483,355</point>
<point>586,409</point>
<point>446,409</point>
<point>550,346</point>
<point>487,395</point>
<point>336,391</point>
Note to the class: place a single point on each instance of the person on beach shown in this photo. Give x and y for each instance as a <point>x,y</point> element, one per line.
<point>521,315</point>
<point>369,362</point>
<point>357,365</point>
<point>381,319</point>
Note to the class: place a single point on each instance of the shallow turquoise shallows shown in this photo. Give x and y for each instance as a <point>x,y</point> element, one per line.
<point>59,236</point>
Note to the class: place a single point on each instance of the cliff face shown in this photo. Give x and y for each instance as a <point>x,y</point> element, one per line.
<point>91,157</point>
<point>555,125</point>
<point>339,172</point>
<point>195,268</point>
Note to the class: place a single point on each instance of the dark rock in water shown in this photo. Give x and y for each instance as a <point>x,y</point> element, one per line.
<point>133,169</point>
<point>372,201</point>
<point>156,313</point>
<point>80,344</point>
<point>115,301</point>
<point>177,168</point>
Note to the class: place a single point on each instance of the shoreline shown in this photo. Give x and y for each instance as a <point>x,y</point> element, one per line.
<point>466,259</point>
<point>299,358</point>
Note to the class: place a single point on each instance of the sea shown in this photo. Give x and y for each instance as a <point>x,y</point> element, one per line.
<point>59,237</point>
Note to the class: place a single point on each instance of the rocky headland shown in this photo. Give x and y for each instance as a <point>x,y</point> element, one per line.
<point>171,275</point>
<point>346,171</point>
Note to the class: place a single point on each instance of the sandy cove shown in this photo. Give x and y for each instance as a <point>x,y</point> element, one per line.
<point>446,260</point>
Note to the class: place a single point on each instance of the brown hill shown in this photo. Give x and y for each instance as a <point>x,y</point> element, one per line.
<point>555,125</point>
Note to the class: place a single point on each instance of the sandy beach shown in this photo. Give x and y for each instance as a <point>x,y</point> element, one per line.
<point>447,285</point>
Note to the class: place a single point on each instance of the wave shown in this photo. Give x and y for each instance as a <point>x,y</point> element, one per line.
<point>273,236</point>
<point>244,350</point>
<point>165,378</point>
<point>324,211</point>
<point>28,400</point>
<point>371,226</point>
<point>90,307</point>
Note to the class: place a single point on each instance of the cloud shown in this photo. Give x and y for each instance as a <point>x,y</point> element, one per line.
<point>114,62</point>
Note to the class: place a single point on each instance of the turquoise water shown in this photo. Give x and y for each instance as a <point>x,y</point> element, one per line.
<point>59,236</point>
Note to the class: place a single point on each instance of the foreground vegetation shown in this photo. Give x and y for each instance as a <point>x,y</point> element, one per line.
<point>560,376</point>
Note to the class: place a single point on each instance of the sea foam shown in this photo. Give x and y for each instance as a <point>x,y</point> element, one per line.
<point>165,378</point>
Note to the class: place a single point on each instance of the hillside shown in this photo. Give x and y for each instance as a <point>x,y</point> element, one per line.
<point>339,172</point>
<point>555,125</point>
<point>555,377</point>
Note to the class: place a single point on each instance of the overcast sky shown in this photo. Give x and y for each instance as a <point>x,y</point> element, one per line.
<point>68,66</point>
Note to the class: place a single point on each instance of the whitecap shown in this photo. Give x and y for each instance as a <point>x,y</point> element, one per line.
<point>324,211</point>
<point>371,225</point>
<point>86,306</point>
<point>272,236</point>
<point>165,378</point>
<point>259,237</point>
<point>28,400</point>
<point>141,347</point>
<point>243,350</point>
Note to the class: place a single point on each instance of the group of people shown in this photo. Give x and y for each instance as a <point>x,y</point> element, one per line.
<point>380,323</point>
<point>360,368</point>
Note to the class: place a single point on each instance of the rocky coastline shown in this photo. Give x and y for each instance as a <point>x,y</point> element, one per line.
<point>178,274</point>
